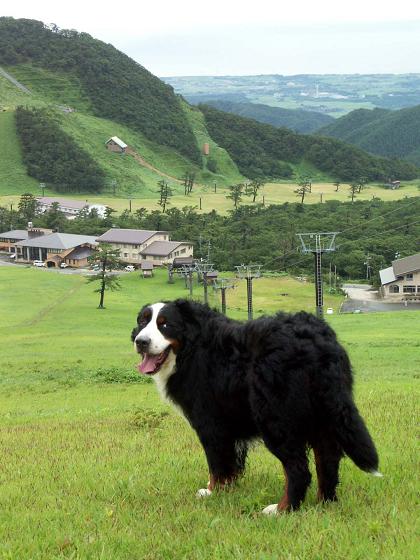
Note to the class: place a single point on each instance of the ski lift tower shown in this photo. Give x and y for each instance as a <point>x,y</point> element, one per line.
<point>249,272</point>
<point>187,273</point>
<point>203,268</point>
<point>318,243</point>
<point>223,284</point>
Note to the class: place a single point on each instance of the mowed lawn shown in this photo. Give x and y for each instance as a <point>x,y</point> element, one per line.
<point>94,466</point>
<point>205,199</point>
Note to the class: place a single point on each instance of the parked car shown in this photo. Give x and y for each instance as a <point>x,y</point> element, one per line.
<point>12,256</point>
<point>63,265</point>
<point>330,310</point>
<point>38,263</point>
<point>130,268</point>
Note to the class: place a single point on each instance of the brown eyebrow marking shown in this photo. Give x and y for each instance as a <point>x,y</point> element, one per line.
<point>161,320</point>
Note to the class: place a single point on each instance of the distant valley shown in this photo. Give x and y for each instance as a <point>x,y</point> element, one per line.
<point>331,94</point>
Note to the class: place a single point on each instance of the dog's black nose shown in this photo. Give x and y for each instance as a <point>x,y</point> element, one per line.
<point>142,343</point>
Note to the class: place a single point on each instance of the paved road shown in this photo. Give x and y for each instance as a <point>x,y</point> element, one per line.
<point>363,298</point>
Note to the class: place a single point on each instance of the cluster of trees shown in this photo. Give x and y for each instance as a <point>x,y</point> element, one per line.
<point>267,235</point>
<point>52,156</point>
<point>237,191</point>
<point>380,131</point>
<point>116,86</point>
<point>298,120</point>
<point>261,150</point>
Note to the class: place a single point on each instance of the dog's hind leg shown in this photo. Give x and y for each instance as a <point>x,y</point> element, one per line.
<point>297,476</point>
<point>327,460</point>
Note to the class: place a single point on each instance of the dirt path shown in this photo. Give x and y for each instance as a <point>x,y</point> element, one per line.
<point>144,163</point>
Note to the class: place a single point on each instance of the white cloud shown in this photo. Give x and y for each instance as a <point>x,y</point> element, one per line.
<point>175,37</point>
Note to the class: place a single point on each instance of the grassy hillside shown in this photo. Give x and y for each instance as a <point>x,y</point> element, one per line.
<point>115,86</point>
<point>13,176</point>
<point>51,90</point>
<point>94,465</point>
<point>295,119</point>
<point>381,132</point>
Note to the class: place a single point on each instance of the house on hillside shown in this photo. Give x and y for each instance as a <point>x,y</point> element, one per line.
<point>70,208</point>
<point>57,248</point>
<point>401,281</point>
<point>393,185</point>
<point>115,144</point>
<point>138,245</point>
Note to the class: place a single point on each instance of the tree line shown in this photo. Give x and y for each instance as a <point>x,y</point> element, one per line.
<point>264,235</point>
<point>262,151</point>
<point>52,156</point>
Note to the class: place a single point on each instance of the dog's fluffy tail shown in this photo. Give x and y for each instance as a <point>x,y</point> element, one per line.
<point>354,437</point>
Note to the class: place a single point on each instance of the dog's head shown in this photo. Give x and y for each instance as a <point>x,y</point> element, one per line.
<point>161,332</point>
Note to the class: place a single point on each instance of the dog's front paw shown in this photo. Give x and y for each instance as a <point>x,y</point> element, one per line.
<point>203,493</point>
<point>271,510</point>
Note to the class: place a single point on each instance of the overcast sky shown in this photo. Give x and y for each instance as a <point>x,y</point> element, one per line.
<point>218,37</point>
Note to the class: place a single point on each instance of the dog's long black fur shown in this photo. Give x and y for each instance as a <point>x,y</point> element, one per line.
<point>284,379</point>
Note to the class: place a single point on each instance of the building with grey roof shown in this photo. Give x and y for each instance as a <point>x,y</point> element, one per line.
<point>137,245</point>
<point>401,281</point>
<point>164,252</point>
<point>8,239</point>
<point>115,144</point>
<point>70,208</point>
<point>55,248</point>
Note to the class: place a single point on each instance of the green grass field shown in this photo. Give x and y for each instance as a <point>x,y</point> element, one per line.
<point>94,466</point>
<point>274,193</point>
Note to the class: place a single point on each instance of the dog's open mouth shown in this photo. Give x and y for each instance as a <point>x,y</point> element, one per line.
<point>152,363</point>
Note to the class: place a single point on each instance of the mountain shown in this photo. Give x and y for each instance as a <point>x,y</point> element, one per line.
<point>295,119</point>
<point>77,92</point>
<point>93,92</point>
<point>114,85</point>
<point>261,150</point>
<point>380,131</point>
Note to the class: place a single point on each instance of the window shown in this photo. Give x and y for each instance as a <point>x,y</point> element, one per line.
<point>125,255</point>
<point>418,289</point>
<point>409,289</point>
<point>394,289</point>
<point>409,276</point>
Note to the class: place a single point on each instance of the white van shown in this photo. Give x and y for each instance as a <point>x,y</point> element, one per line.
<point>38,263</point>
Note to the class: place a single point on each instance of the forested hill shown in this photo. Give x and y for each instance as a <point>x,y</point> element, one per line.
<point>381,132</point>
<point>295,119</point>
<point>115,86</point>
<point>261,150</point>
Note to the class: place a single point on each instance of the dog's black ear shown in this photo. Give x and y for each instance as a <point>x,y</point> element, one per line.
<point>186,308</point>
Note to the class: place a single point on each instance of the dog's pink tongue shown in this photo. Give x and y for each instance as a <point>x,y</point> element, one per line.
<point>149,363</point>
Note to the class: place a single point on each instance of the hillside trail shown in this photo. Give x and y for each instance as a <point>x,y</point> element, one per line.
<point>14,81</point>
<point>146,164</point>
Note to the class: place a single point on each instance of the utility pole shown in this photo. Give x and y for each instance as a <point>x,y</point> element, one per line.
<point>317,244</point>
<point>367,265</point>
<point>170,274</point>
<point>249,272</point>
<point>204,268</point>
<point>224,284</point>
<point>187,273</point>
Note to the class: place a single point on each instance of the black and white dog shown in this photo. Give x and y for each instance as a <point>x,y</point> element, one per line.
<point>284,379</point>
